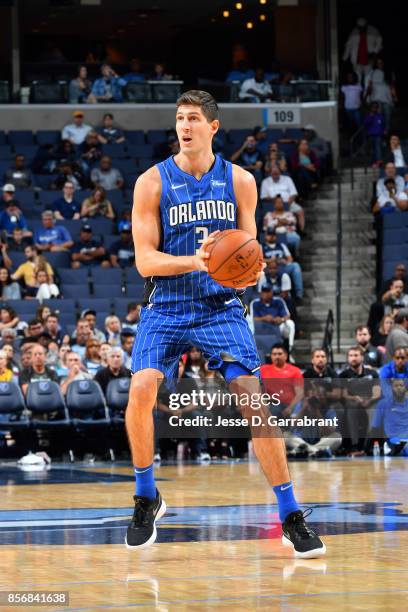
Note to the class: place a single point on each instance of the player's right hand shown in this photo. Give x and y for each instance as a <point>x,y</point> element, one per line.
<point>201,259</point>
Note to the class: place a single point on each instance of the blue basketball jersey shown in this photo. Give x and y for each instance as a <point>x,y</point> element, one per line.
<point>190,210</point>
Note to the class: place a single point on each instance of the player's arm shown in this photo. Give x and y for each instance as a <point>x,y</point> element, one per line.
<point>146,228</point>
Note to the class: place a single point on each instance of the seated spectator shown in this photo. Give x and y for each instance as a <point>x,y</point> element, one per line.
<point>8,192</point>
<point>9,290</point>
<point>395,296</point>
<point>131,321</point>
<point>125,217</point>
<point>37,370</point>
<point>34,329</point>
<point>80,87</point>
<point>88,251</point>
<point>9,336</point>
<point>398,336</point>
<point>90,150</point>
<point>374,124</point>
<point>54,329</point>
<point>248,157</point>
<point>52,237</point>
<point>97,204</point>
<point>280,283</point>
<point>105,348</point>
<point>351,101</point>
<point>371,355</point>
<point>77,131</point>
<point>106,176</point>
<point>46,289</point>
<point>70,172</point>
<point>280,252</point>
<point>275,159</point>
<point>17,241</point>
<point>127,338</point>
<point>280,184</point>
<point>12,364</point>
<point>285,87</point>
<point>66,207</point>
<point>135,73</point>
<point>380,337</point>
<point>61,367</point>
<point>256,89</point>
<point>67,151</point>
<point>42,313</point>
<point>273,312</point>
<point>396,368</point>
<point>113,370</point>
<point>122,252</point>
<point>391,418</point>
<point>390,172</point>
<point>400,273</point>
<point>392,200</point>
<point>359,393</point>
<point>108,134</point>
<point>160,73</point>
<point>163,150</point>
<point>12,218</point>
<point>45,159</point>
<point>28,270</point>
<point>283,378</point>
<point>397,154</point>
<point>305,167</point>
<point>283,222</point>
<point>76,371</point>
<point>108,88</point>
<point>113,330</point>
<point>319,145</point>
<point>260,135</point>
<point>8,318</point>
<point>19,175</point>
<point>92,361</point>
<point>83,333</point>
<point>90,315</point>
<point>6,375</point>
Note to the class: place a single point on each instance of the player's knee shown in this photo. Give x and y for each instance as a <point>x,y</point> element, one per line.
<point>143,391</point>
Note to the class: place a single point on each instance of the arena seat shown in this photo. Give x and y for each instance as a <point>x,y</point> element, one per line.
<point>6,152</point>
<point>67,318</point>
<point>97,304</point>
<point>133,276</point>
<point>115,150</point>
<point>86,404</point>
<point>113,290</point>
<point>3,138</point>
<point>120,305</point>
<point>44,137</point>
<point>44,399</point>
<point>396,219</point>
<point>115,196</point>
<point>70,276</point>
<point>165,93</point>
<point>125,165</point>
<point>61,304</point>
<point>295,133</point>
<point>75,291</point>
<point>13,415</point>
<point>25,307</point>
<point>108,240</point>
<point>29,152</point>
<point>135,292</point>
<point>156,136</point>
<point>48,196</point>
<point>265,342</point>
<point>141,150</point>
<point>135,137</point>
<point>395,252</point>
<point>107,276</point>
<point>238,136</point>
<point>20,137</point>
<point>117,395</point>
<point>59,259</point>
<point>43,181</point>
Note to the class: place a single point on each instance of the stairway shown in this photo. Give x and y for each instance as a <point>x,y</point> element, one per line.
<point>318,260</point>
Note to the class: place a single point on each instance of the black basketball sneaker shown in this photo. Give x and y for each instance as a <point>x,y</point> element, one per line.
<point>304,541</point>
<point>142,532</point>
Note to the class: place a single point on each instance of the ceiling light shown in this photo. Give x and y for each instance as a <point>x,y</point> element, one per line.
<point>262,17</point>
<point>238,6</point>
<point>225,13</point>
<point>262,1</point>
<point>249,25</point>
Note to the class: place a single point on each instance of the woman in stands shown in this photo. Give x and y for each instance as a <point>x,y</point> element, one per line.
<point>42,313</point>
<point>380,337</point>
<point>45,288</point>
<point>10,290</point>
<point>97,204</point>
<point>275,158</point>
<point>8,318</point>
<point>305,167</point>
<point>113,329</point>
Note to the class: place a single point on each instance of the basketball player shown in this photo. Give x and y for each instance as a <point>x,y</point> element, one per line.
<point>179,204</point>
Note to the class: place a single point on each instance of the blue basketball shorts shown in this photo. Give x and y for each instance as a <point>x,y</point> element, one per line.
<point>215,325</point>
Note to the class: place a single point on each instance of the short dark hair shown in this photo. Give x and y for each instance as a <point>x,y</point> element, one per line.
<point>318,349</point>
<point>54,315</point>
<point>388,181</point>
<point>360,328</point>
<point>280,346</point>
<point>108,115</point>
<point>34,322</point>
<point>356,348</point>
<point>203,99</point>
<point>401,316</point>
<point>132,306</point>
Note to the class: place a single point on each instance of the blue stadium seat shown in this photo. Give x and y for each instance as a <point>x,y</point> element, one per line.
<point>265,342</point>
<point>395,220</point>
<point>120,305</point>
<point>156,137</point>
<point>43,181</point>
<point>48,137</point>
<point>46,403</point>
<point>26,198</point>
<point>67,319</point>
<point>272,135</point>
<point>107,276</point>
<point>238,136</point>
<point>394,252</point>
<point>3,138</point>
<point>98,304</point>
<point>61,259</point>
<point>61,304</point>
<point>70,276</point>
<point>266,329</point>
<point>388,267</point>
<point>101,291</point>
<point>135,292</point>
<point>100,320</point>
<point>29,152</point>
<point>75,292</point>
<point>108,240</point>
<point>132,276</point>
<point>25,307</point>
<point>13,415</point>
<point>4,166</point>
<point>115,150</point>
<point>117,396</point>
<point>130,179</point>
<point>21,137</point>
<point>6,152</point>
<point>296,133</point>
<point>48,196</point>
<point>142,150</point>
<point>125,165</point>
<point>101,225</point>
<point>144,164</point>
<point>115,196</point>
<point>395,236</point>
<point>17,258</point>
<point>81,194</point>
<point>86,404</point>
<point>135,136</point>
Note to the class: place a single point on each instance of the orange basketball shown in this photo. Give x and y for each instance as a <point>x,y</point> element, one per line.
<point>234,257</point>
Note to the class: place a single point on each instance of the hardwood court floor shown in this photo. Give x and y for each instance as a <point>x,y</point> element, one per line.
<point>219,544</point>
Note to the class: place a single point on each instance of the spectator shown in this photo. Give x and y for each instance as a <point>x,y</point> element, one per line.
<point>351,101</point>
<point>45,159</point>
<point>396,368</point>
<point>8,318</point>
<point>359,393</point>
<point>319,145</point>
<point>395,296</point>
<point>42,313</point>
<point>12,218</point>
<point>160,73</point>
<point>131,321</point>
<point>260,135</point>
<point>17,241</point>
<point>380,92</point>
<point>305,167</point>
<point>272,311</point>
<point>275,159</point>
<point>9,290</point>
<point>34,330</point>
<point>283,378</point>
<point>398,154</point>
<point>248,157</point>
<point>391,201</point>
<point>115,369</point>
<point>8,195</point>
<point>97,204</point>
<point>391,418</point>
<point>52,237</point>
<point>163,150</point>
<point>61,367</point>
<point>283,222</point>
<point>88,251</point>
<point>135,73</point>
<point>83,333</point>
<point>46,289</point>
<point>11,362</point>
<point>67,206</point>
<point>398,336</point>
<point>91,150</point>
<point>37,370</point>
<point>374,124</point>
<point>77,131</point>
<point>5,261</point>
<point>108,88</point>
<point>6,375</point>
<point>256,89</point>
<point>67,152</point>
<point>280,252</point>
<point>92,359</point>
<point>76,371</point>
<point>105,348</point>
<point>390,172</point>
<point>280,283</point>
<point>69,172</point>
<point>380,337</point>
<point>372,357</point>
<point>28,270</point>
<point>106,176</point>
<point>80,87</point>
<point>19,175</point>
<point>122,252</point>
<point>127,338</point>
<point>9,336</point>
<point>280,184</point>
<point>113,330</point>
<point>108,134</point>
<point>54,329</point>
<point>90,315</point>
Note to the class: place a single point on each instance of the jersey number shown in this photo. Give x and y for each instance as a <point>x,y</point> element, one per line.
<point>201,235</point>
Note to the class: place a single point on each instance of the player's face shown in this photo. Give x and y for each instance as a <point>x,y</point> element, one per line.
<point>193,129</point>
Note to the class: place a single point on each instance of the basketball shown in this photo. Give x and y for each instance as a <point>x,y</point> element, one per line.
<point>234,257</point>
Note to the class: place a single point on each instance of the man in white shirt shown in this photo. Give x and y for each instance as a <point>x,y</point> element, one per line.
<point>279,184</point>
<point>391,200</point>
<point>77,131</point>
<point>390,172</point>
<point>256,89</point>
